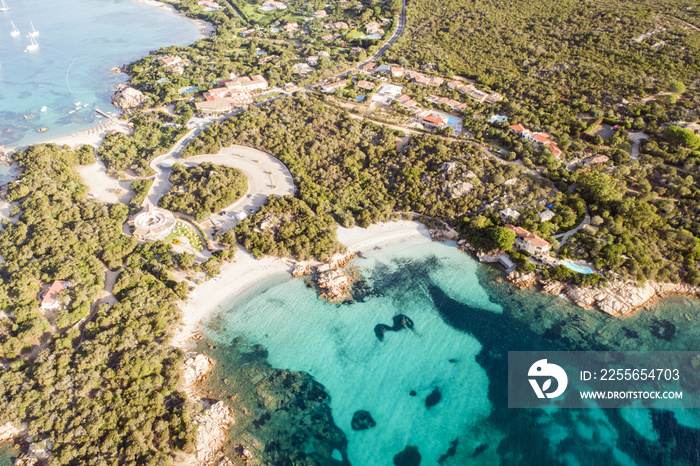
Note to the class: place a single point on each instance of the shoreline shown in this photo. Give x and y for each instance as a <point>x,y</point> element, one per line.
<point>95,134</point>
<point>245,272</point>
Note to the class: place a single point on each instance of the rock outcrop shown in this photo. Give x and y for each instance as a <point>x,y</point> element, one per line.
<point>521,280</point>
<point>127,98</point>
<point>301,270</point>
<point>619,298</point>
<point>211,435</point>
<point>444,235</point>
<point>197,368</point>
<point>335,284</point>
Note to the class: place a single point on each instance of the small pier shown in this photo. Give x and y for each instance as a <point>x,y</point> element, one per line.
<point>106,115</point>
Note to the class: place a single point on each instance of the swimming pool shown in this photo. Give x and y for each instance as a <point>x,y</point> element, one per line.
<point>577,268</point>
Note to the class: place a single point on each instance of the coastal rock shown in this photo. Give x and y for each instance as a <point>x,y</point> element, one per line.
<point>408,457</point>
<point>434,398</point>
<point>10,430</point>
<point>362,420</point>
<point>465,245</point>
<point>211,434</point>
<point>458,189</point>
<point>521,280</point>
<point>197,367</point>
<point>335,284</point>
<point>444,235</point>
<point>128,98</point>
<point>620,298</point>
<point>552,287</point>
<point>300,270</point>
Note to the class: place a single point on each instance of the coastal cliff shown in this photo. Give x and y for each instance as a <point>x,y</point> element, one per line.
<point>127,97</point>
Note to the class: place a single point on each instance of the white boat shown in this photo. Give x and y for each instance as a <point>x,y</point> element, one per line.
<point>77,104</point>
<point>15,31</point>
<point>3,6</point>
<point>43,109</point>
<point>33,45</point>
<point>33,32</point>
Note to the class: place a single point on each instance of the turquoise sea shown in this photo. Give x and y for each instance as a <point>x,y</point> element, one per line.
<point>301,368</point>
<point>79,41</point>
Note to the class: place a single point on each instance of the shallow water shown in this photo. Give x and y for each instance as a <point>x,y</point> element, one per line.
<point>79,41</point>
<point>465,320</point>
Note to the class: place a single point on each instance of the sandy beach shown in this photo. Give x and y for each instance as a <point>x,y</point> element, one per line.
<point>236,277</point>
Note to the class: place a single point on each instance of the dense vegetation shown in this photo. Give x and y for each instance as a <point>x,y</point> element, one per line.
<point>349,168</point>
<point>560,55</point>
<point>153,135</point>
<point>267,49</point>
<point>203,189</point>
<point>286,226</point>
<point>102,385</point>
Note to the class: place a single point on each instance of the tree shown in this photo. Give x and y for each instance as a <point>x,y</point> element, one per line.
<point>598,187</point>
<point>681,137</point>
<point>503,238</point>
<point>677,87</point>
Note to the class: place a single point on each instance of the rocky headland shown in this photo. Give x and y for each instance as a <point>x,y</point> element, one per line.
<point>127,97</point>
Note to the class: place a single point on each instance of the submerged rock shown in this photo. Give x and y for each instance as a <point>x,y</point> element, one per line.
<point>408,457</point>
<point>433,399</point>
<point>362,420</point>
<point>400,322</point>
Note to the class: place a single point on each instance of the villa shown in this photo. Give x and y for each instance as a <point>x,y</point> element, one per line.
<point>374,29</point>
<point>453,104</point>
<point>508,214</point>
<point>336,25</point>
<point>328,37</point>
<point>432,121</point>
<point>408,103</point>
<point>250,84</point>
<point>546,215</point>
<point>540,139</point>
<point>291,27</point>
<point>600,158</point>
<point>387,93</point>
<point>302,68</point>
<point>367,85</point>
<point>330,88</point>
<point>270,5</point>
<point>49,301</point>
<point>209,5</point>
<point>214,107</point>
<point>530,242</point>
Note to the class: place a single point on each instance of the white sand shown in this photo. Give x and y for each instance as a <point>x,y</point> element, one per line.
<point>208,298</point>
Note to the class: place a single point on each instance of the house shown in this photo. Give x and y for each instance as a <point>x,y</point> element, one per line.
<point>546,215</point>
<point>213,107</point>
<point>323,53</point>
<point>209,5</point>
<point>396,71</point>
<point>270,5</point>
<point>539,139</point>
<point>383,69</point>
<point>453,104</point>
<point>250,84</point>
<point>302,68</point>
<point>508,214</point>
<point>330,88</point>
<point>291,27</point>
<point>529,242</point>
<point>49,301</point>
<point>367,85</point>
<point>432,121</point>
<point>387,93</point>
<point>357,50</point>
<point>313,61</point>
<point>369,66</point>
<point>374,29</point>
<point>328,37</point>
<point>170,61</point>
<point>336,25</point>
<point>320,14</point>
<point>600,158</point>
<point>493,98</point>
<point>247,32</point>
<point>408,103</point>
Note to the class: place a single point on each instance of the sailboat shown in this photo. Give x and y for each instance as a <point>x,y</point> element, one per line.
<point>15,31</point>
<point>33,32</point>
<point>3,6</point>
<point>33,45</point>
